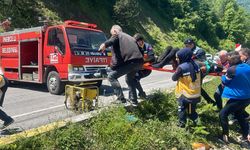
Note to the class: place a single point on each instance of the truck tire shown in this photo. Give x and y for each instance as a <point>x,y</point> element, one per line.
<point>54,83</point>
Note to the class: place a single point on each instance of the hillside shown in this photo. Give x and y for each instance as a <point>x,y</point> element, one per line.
<point>162,22</point>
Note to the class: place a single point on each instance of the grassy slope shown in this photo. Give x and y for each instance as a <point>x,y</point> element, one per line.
<point>151,126</point>
<point>84,10</point>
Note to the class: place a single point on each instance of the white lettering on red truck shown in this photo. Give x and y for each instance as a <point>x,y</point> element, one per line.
<point>8,50</point>
<point>88,53</point>
<point>95,60</point>
<point>9,39</point>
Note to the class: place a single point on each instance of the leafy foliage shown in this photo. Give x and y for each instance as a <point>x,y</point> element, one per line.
<point>163,22</point>
<point>150,126</point>
<point>126,11</point>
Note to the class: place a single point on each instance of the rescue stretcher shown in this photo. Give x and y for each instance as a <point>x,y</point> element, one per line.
<point>150,67</point>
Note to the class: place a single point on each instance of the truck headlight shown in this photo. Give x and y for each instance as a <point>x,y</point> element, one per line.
<point>75,69</point>
<point>72,68</point>
<point>81,69</point>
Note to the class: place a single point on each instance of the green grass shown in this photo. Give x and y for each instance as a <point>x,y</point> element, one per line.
<point>150,126</point>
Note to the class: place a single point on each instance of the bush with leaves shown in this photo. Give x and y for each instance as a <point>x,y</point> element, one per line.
<point>126,11</point>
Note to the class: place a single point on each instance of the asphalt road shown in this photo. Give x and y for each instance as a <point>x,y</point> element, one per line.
<point>32,106</point>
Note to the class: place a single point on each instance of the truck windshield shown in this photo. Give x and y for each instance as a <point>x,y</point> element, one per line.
<point>81,40</point>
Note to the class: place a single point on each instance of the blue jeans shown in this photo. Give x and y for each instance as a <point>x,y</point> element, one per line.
<point>129,70</point>
<point>237,107</point>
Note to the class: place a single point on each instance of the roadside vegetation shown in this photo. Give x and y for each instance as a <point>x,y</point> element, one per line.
<point>151,126</point>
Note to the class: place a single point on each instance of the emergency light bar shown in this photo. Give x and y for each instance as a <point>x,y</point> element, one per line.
<point>77,23</point>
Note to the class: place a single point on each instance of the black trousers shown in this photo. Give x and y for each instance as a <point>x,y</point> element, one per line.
<point>129,70</point>
<point>217,96</point>
<point>3,115</point>
<point>187,108</point>
<point>218,100</point>
<point>237,107</point>
<point>166,57</point>
<point>139,75</point>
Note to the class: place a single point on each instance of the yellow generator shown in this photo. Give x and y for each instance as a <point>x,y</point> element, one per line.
<point>81,98</point>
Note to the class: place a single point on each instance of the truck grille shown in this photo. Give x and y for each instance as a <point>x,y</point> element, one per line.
<point>93,68</point>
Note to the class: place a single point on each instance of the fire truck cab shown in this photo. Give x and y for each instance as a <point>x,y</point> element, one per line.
<point>55,55</point>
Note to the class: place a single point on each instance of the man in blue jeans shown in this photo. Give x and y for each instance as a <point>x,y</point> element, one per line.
<point>126,60</point>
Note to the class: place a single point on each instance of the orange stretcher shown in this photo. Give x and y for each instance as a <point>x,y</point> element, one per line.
<point>150,67</point>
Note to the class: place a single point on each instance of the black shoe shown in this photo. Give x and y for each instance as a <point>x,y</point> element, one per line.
<point>134,103</point>
<point>217,110</point>
<point>123,100</point>
<point>120,101</point>
<point>7,123</point>
<point>244,143</point>
<point>224,139</point>
<point>142,95</point>
<point>181,124</point>
<point>195,122</point>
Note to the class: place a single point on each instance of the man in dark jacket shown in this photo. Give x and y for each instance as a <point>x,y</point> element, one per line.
<point>199,55</point>
<point>148,56</point>
<point>3,116</point>
<point>126,60</point>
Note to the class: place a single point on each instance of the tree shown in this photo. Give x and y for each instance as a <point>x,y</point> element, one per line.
<point>126,11</point>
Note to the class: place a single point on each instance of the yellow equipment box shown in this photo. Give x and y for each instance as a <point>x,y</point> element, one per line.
<point>81,98</point>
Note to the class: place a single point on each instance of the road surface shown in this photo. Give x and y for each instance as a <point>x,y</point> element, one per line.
<point>32,106</point>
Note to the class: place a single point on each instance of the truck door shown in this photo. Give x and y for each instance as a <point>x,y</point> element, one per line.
<point>55,48</point>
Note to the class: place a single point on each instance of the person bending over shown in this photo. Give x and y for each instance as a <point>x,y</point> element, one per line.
<point>126,60</point>
<point>237,89</point>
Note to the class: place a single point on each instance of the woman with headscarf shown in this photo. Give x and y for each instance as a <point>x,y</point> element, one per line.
<point>188,88</point>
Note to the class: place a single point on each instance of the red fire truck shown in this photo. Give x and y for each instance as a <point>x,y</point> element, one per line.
<point>55,55</point>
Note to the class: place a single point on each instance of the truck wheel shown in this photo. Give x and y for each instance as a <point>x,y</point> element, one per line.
<point>54,83</point>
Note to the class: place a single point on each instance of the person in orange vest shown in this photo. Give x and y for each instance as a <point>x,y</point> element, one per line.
<point>3,88</point>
